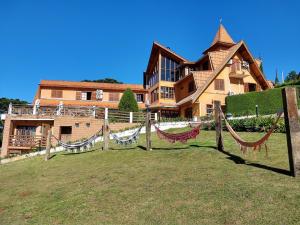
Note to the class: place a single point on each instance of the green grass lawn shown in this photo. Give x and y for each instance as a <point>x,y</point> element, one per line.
<point>189,183</point>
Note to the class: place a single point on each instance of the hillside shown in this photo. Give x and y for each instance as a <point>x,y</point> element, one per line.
<point>173,184</point>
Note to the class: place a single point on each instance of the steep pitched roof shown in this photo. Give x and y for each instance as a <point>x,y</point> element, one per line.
<point>222,36</point>
<point>156,47</point>
<point>205,83</point>
<point>217,57</point>
<point>200,77</point>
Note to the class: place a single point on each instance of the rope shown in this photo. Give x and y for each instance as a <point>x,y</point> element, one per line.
<point>181,137</point>
<point>256,145</point>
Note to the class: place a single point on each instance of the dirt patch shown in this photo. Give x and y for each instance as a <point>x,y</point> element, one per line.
<point>25,194</point>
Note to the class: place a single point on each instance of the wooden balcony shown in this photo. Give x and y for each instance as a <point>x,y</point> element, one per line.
<point>26,142</point>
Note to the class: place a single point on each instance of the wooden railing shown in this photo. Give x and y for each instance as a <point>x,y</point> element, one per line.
<point>28,141</point>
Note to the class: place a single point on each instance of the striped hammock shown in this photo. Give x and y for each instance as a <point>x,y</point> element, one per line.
<point>128,140</point>
<point>181,137</point>
<point>79,146</point>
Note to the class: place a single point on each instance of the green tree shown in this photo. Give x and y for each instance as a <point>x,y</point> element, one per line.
<point>292,76</point>
<point>128,102</point>
<point>262,68</point>
<point>105,80</point>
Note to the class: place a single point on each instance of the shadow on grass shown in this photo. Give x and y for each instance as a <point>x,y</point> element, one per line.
<point>239,160</point>
<point>83,152</point>
<point>179,148</point>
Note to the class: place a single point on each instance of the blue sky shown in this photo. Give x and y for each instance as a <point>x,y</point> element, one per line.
<point>76,40</point>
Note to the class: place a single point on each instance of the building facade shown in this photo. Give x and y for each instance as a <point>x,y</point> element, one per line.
<point>179,87</point>
<point>173,87</point>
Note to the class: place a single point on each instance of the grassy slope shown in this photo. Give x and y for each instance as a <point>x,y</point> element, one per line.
<point>173,184</point>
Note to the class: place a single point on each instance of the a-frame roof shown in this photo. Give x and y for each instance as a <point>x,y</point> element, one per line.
<point>233,50</point>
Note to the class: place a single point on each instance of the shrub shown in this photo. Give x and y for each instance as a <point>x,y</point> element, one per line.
<point>128,102</point>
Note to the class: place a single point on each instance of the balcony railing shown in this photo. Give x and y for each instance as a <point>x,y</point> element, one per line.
<point>52,111</point>
<point>27,141</point>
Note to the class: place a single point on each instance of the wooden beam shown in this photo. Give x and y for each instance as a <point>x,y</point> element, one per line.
<point>105,130</point>
<point>48,146</point>
<point>290,106</point>
<point>148,130</point>
<point>218,120</point>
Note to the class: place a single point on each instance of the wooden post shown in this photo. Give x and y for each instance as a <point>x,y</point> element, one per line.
<point>48,146</point>
<point>105,135</point>
<point>292,126</point>
<point>105,130</point>
<point>148,130</point>
<point>218,120</point>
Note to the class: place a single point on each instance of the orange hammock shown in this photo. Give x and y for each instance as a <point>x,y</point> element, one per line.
<point>255,145</point>
<point>182,137</point>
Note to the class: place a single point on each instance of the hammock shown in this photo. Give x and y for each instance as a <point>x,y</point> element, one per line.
<point>256,145</point>
<point>128,139</point>
<point>182,137</point>
<point>82,145</point>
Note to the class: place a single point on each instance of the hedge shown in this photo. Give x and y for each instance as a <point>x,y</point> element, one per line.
<point>269,102</point>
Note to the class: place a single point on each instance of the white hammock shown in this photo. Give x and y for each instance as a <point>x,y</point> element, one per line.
<point>83,145</point>
<point>128,139</point>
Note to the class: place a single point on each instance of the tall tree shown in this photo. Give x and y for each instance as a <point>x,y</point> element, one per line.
<point>262,68</point>
<point>292,76</point>
<point>128,102</point>
<point>276,78</point>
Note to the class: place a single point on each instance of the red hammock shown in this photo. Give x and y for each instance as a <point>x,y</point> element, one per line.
<point>256,145</point>
<point>182,137</point>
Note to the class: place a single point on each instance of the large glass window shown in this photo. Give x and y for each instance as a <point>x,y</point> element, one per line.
<point>153,78</point>
<point>168,69</point>
<point>167,92</point>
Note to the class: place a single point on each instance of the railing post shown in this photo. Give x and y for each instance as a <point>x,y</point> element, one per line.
<point>130,117</point>
<point>94,111</point>
<point>48,146</point>
<point>36,107</point>
<point>105,130</point>
<point>155,116</point>
<point>148,129</point>
<point>9,112</point>
<point>292,126</point>
<point>218,121</point>
<point>60,108</point>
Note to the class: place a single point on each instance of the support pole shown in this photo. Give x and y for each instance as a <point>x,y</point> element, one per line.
<point>148,130</point>
<point>218,120</point>
<point>105,135</point>
<point>105,130</point>
<point>48,146</point>
<point>130,117</point>
<point>292,125</point>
